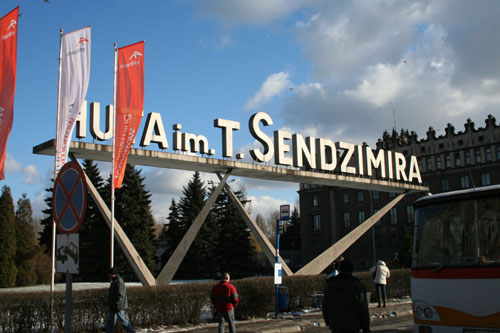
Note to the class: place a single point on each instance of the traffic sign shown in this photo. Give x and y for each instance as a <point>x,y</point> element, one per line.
<point>285,212</point>
<point>69,198</point>
<point>67,253</point>
<point>278,272</point>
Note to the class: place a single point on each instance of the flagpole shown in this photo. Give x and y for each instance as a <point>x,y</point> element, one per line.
<point>55,161</point>
<point>113,162</point>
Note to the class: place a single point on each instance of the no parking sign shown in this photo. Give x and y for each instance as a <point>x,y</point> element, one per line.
<point>69,198</point>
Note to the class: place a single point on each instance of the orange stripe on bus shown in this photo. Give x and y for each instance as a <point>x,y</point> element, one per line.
<point>451,317</point>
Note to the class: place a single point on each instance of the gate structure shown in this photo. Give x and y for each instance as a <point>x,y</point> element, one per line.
<point>223,169</point>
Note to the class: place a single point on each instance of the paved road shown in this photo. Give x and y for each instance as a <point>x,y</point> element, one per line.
<point>402,324</point>
<point>397,317</point>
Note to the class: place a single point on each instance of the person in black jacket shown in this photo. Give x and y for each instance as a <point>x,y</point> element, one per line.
<point>118,303</point>
<point>345,307</point>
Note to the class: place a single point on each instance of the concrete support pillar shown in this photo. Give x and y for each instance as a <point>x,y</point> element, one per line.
<point>134,259</point>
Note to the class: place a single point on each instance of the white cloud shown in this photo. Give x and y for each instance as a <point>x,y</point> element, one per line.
<point>381,86</point>
<point>32,175</point>
<point>264,205</point>
<point>30,172</point>
<point>274,85</point>
<point>11,165</point>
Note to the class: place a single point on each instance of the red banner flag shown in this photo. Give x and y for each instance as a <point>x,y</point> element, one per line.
<point>129,105</point>
<point>8,63</point>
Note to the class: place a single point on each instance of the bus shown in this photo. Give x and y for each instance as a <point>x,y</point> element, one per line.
<point>455,277</point>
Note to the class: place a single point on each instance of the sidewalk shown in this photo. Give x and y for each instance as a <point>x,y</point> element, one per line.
<point>294,322</point>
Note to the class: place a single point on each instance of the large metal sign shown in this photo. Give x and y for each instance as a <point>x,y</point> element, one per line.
<point>69,199</point>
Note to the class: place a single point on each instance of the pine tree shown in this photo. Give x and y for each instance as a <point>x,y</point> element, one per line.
<point>46,223</point>
<point>133,212</point>
<point>172,232</point>
<point>291,235</point>
<point>94,233</point>
<point>235,252</point>
<point>8,270</point>
<point>199,261</point>
<point>26,243</point>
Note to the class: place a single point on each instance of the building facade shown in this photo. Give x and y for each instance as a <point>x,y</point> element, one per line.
<point>453,161</point>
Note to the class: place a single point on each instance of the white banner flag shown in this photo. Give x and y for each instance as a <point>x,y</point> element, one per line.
<point>75,72</point>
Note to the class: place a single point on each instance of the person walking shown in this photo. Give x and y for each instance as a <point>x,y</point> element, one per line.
<point>225,299</point>
<point>345,307</point>
<point>117,302</point>
<point>380,276</point>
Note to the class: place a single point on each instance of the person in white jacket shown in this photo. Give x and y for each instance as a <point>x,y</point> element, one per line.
<point>380,275</point>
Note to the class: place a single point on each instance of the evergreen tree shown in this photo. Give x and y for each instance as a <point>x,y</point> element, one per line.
<point>234,249</point>
<point>8,270</point>
<point>26,243</point>
<point>133,212</point>
<point>45,240</point>
<point>172,232</point>
<point>200,261</point>
<point>94,233</point>
<point>291,235</point>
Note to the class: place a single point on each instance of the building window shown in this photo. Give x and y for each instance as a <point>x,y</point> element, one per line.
<point>478,155</point>
<point>457,159</point>
<point>420,164</point>
<point>345,198</point>
<point>392,195</point>
<point>488,154</point>
<point>445,185</point>
<point>448,161</point>
<point>410,213</point>
<point>360,196</point>
<point>438,162</point>
<point>315,201</point>
<point>464,182</point>
<point>347,220</point>
<point>361,216</point>
<point>375,195</point>
<point>485,179</point>
<point>429,164</point>
<point>498,152</point>
<point>467,157</point>
<point>394,216</point>
<point>316,223</point>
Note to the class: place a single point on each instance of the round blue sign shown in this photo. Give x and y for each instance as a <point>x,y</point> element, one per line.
<point>69,198</point>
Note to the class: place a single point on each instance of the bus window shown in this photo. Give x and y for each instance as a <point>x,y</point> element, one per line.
<point>446,234</point>
<point>489,230</point>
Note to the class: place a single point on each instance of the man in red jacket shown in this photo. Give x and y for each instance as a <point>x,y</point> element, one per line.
<point>225,299</point>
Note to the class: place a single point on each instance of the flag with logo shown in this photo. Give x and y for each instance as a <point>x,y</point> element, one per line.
<point>74,80</point>
<point>8,64</point>
<point>129,105</point>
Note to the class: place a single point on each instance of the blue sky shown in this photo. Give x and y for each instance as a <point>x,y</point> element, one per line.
<point>344,70</point>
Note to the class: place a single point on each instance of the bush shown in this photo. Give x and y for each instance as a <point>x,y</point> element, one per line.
<point>180,304</point>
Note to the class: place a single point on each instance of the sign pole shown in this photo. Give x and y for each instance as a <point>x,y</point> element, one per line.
<point>276,285</point>
<point>69,305</point>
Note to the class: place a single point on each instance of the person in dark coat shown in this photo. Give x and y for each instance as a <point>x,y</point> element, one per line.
<point>345,307</point>
<point>225,299</point>
<point>118,303</point>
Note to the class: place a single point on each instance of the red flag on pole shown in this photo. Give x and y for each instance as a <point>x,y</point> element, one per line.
<point>8,62</point>
<point>129,104</point>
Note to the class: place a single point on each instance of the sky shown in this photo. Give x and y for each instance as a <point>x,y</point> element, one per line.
<point>343,70</point>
